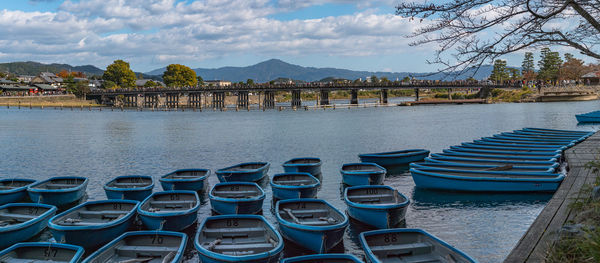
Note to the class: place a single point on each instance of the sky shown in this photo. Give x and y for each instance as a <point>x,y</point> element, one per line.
<point>150,34</point>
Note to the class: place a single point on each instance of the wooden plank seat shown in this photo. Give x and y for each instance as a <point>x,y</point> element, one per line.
<point>145,251</point>
<point>3,187</point>
<point>129,185</point>
<point>79,223</point>
<point>20,217</point>
<point>59,186</point>
<point>307,212</point>
<point>243,230</point>
<point>295,182</point>
<point>262,246</point>
<point>102,214</point>
<point>317,222</point>
<point>174,202</point>
<point>185,176</point>
<point>242,192</point>
<point>404,249</point>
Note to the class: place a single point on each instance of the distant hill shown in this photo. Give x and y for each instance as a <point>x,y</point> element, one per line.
<point>34,68</point>
<point>275,68</point>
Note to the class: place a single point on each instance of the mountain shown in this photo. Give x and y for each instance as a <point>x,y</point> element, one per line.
<point>34,68</point>
<point>275,68</point>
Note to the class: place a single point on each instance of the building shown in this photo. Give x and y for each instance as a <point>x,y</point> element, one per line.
<point>592,78</point>
<point>217,83</point>
<point>25,78</point>
<point>47,78</point>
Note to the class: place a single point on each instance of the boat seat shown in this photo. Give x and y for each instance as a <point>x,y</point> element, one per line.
<point>102,214</point>
<point>129,185</point>
<point>294,182</point>
<point>246,193</point>
<point>2,187</point>
<point>184,176</point>
<point>243,247</point>
<point>174,202</point>
<point>242,230</point>
<point>403,249</point>
<point>20,217</point>
<point>427,258</point>
<point>145,251</point>
<point>315,223</point>
<point>351,197</point>
<point>60,186</point>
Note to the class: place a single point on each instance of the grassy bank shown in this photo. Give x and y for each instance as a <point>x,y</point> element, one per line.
<point>47,101</point>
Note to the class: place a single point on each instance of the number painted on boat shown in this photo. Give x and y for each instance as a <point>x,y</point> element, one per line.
<point>390,238</point>
<point>372,191</point>
<point>174,196</point>
<point>232,222</point>
<point>157,239</point>
<point>50,252</point>
<point>235,188</point>
<point>300,205</point>
<point>117,206</point>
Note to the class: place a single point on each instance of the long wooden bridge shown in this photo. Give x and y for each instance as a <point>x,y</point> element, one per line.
<point>196,97</point>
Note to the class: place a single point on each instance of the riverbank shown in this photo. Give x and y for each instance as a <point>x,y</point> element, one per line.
<point>47,101</point>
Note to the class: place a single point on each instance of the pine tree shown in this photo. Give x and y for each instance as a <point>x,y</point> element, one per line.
<point>528,66</point>
<point>499,73</point>
<point>549,64</point>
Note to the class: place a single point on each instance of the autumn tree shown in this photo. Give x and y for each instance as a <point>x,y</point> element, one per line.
<point>572,69</point>
<point>150,84</point>
<point>474,32</point>
<point>549,65</point>
<point>178,75</point>
<point>119,73</point>
<point>499,73</point>
<point>200,81</point>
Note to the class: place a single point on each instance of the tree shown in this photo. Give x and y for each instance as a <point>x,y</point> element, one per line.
<point>200,81</point>
<point>374,79</point>
<point>499,73</point>
<point>250,81</point>
<point>549,65</point>
<point>178,75</point>
<point>528,66</point>
<point>79,88</point>
<point>514,73</point>
<point>479,31</point>
<point>572,69</point>
<point>406,79</point>
<point>150,84</point>
<point>107,84</point>
<point>385,80</point>
<point>119,73</point>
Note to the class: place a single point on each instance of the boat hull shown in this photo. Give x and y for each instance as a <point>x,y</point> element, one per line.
<point>380,218</point>
<point>294,185</point>
<point>14,195</point>
<point>313,168</point>
<point>224,207</point>
<point>24,231</point>
<point>237,201</point>
<point>587,118</point>
<point>320,258</point>
<point>395,162</point>
<point>431,180</point>
<point>196,184</point>
<point>169,220</point>
<point>42,252</point>
<point>288,193</point>
<point>249,175</point>
<point>93,237</point>
<point>355,174</point>
<point>316,241</point>
<point>58,197</point>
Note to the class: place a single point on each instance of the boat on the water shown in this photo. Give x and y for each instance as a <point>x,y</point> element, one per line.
<point>129,187</point>
<point>169,210</point>
<point>13,190</point>
<point>502,159</point>
<point>41,252</point>
<point>526,165</point>
<point>521,145</point>
<point>236,198</point>
<point>93,223</point>
<point>503,151</point>
<point>142,246</point>
<point>534,139</point>
<point>476,167</point>
<point>311,165</point>
<point>408,245</point>
<point>311,223</point>
<point>541,130</point>
<point>354,174</point>
<point>501,156</point>
<point>20,222</point>
<point>322,258</point>
<point>58,191</point>
<point>524,132</point>
<point>185,179</point>
<point>293,185</point>
<point>378,206</point>
<point>525,143</point>
<point>497,147</point>
<point>244,172</point>
<point>396,160</point>
<point>542,136</point>
<point>238,238</point>
<point>485,181</point>
<point>591,117</point>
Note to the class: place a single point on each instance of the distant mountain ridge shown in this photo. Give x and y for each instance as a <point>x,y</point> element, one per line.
<point>34,68</point>
<point>274,68</point>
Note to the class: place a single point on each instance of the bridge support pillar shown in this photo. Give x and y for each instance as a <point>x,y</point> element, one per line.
<point>150,101</point>
<point>354,97</point>
<point>296,98</point>
<point>324,97</point>
<point>269,100</point>
<point>195,100</point>
<point>383,96</point>
<point>130,101</point>
<point>218,100</point>
<point>416,94</point>
<point>172,100</point>
<point>242,99</point>
<point>449,94</point>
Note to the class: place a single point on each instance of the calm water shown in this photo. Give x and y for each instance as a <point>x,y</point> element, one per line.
<point>101,145</point>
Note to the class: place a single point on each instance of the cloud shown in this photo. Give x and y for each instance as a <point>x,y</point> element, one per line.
<point>155,32</point>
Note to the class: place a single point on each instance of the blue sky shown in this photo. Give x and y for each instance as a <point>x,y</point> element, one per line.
<point>358,35</point>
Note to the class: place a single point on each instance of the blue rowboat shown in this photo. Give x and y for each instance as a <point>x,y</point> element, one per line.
<point>142,246</point>
<point>244,172</point>
<point>521,145</point>
<point>534,139</point>
<point>500,156</point>
<point>522,134</point>
<point>486,160</point>
<point>408,245</point>
<point>294,185</point>
<point>169,210</point>
<point>94,223</point>
<point>238,238</point>
<point>496,146</point>
<point>20,222</point>
<point>591,117</point>
<point>311,165</point>
<point>42,252</point>
<point>129,187</point>
<point>556,131</point>
<point>13,190</point>
<point>362,174</point>
<point>185,179</point>
<point>58,191</point>
<point>485,181</point>
<point>513,141</point>
<point>379,206</point>
<point>320,258</point>
<point>311,223</point>
<point>503,151</point>
<point>396,160</point>
<point>236,198</point>
<point>475,167</point>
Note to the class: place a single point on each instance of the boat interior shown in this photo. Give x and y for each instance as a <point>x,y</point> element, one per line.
<point>294,179</point>
<point>361,168</point>
<point>244,167</point>
<point>130,182</point>
<point>19,214</point>
<point>237,236</point>
<point>12,184</point>
<point>142,248</point>
<point>95,214</point>
<point>409,248</point>
<point>189,174</point>
<point>310,213</point>
<point>62,183</point>
<point>236,191</point>
<point>39,255</point>
<point>170,202</point>
<point>304,161</point>
<point>375,196</point>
